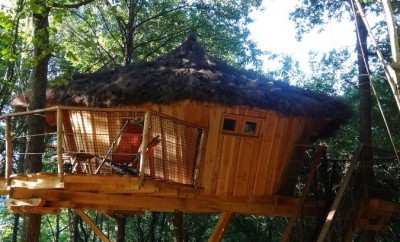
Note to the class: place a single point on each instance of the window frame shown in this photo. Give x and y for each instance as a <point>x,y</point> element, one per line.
<point>241,121</point>
<point>237,124</point>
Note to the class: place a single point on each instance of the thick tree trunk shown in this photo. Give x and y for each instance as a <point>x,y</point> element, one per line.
<point>121,222</point>
<point>367,174</point>
<point>75,228</point>
<point>365,105</point>
<point>41,55</point>
<point>178,226</point>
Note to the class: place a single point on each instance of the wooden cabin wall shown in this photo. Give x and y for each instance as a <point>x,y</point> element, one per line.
<point>232,165</point>
<point>239,165</point>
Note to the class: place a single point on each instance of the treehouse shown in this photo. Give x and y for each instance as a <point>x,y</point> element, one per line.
<point>186,132</point>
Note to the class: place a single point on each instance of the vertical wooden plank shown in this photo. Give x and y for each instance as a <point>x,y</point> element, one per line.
<point>249,148</point>
<point>60,143</point>
<point>220,228</point>
<point>145,140</point>
<point>269,129</point>
<point>210,165</point>
<point>229,148</point>
<point>279,147</point>
<point>9,151</point>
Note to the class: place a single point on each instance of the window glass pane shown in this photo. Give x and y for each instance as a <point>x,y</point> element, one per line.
<point>229,124</point>
<point>250,127</point>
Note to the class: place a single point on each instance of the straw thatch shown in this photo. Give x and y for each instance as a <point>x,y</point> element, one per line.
<point>189,72</point>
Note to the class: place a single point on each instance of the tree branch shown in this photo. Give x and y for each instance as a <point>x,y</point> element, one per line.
<point>160,14</point>
<point>71,5</point>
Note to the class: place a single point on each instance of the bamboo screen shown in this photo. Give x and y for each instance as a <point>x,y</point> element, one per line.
<point>117,135</point>
<point>174,159</point>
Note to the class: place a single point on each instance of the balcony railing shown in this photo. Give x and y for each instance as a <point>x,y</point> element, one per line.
<point>98,141</point>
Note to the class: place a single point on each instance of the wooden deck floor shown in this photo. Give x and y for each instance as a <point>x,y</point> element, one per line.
<point>45,193</point>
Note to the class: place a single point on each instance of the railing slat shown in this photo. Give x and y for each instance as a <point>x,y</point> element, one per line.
<point>60,162</point>
<point>145,141</point>
<point>9,151</point>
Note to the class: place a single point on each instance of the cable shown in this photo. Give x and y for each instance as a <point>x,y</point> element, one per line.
<point>372,85</point>
<point>393,83</point>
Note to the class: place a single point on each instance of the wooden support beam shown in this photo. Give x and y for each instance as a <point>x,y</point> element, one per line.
<point>33,210</point>
<point>194,203</point>
<point>220,227</point>
<point>9,151</point>
<point>36,181</point>
<point>339,196</point>
<point>60,163</point>
<point>319,153</point>
<point>32,202</point>
<point>145,141</point>
<point>92,225</point>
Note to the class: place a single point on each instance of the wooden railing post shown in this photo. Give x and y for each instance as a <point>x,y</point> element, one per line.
<point>60,163</point>
<point>143,149</point>
<point>199,152</point>
<point>9,151</point>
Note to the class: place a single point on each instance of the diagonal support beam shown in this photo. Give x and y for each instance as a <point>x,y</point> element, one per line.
<point>319,153</point>
<point>92,225</point>
<point>219,229</point>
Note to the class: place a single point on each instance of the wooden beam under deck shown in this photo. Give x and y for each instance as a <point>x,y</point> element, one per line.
<point>137,202</point>
<point>121,193</point>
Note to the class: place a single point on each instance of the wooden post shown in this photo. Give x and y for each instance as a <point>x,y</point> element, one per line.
<point>9,151</point>
<point>198,157</point>
<point>92,225</point>
<point>143,148</point>
<point>220,227</point>
<point>60,144</point>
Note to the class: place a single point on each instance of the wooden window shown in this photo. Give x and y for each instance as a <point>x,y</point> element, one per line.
<point>241,125</point>
<point>250,128</point>
<point>229,124</point>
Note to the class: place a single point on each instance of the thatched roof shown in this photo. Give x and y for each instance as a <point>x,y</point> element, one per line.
<point>188,72</point>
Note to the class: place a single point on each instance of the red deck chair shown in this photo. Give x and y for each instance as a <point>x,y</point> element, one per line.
<point>127,149</point>
<point>129,143</point>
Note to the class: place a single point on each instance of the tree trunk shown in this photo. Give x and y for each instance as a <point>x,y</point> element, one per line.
<point>121,222</point>
<point>129,32</point>
<point>367,178</point>
<point>58,231</point>
<point>15,228</point>
<point>365,105</point>
<point>153,224</point>
<point>178,226</point>
<point>41,56</point>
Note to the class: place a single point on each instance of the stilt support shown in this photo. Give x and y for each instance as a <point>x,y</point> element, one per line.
<point>220,227</point>
<point>92,225</point>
